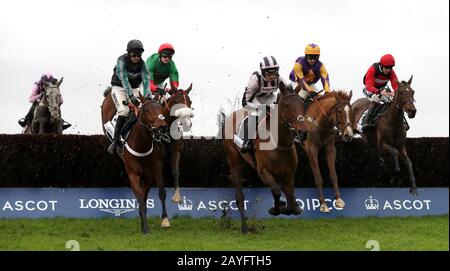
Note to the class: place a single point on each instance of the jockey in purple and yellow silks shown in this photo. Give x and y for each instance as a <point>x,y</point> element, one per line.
<point>308,70</point>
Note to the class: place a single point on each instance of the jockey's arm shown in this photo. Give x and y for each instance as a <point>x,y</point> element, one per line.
<point>123,76</point>
<point>145,80</point>
<point>325,79</point>
<point>174,76</point>
<point>370,81</point>
<point>250,93</point>
<point>151,70</point>
<point>394,80</point>
<point>35,94</point>
<point>300,78</point>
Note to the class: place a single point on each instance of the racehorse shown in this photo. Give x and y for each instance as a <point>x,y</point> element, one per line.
<point>327,114</point>
<point>389,133</point>
<point>177,112</point>
<point>142,156</point>
<point>47,114</point>
<point>275,166</point>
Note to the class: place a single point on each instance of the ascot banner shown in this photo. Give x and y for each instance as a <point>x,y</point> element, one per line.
<point>215,202</point>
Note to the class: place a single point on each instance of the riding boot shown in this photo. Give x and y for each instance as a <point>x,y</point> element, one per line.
<point>368,120</point>
<point>249,133</point>
<point>65,124</point>
<point>119,124</point>
<point>29,116</point>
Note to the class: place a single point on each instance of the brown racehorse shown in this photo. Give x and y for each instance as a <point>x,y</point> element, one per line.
<point>389,134</point>
<point>327,114</point>
<point>178,112</point>
<point>143,158</point>
<point>275,166</point>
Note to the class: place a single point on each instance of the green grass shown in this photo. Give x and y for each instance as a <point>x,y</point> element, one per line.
<point>186,234</point>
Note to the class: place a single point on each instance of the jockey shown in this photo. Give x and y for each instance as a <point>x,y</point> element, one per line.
<point>307,71</point>
<point>375,81</point>
<point>129,72</point>
<point>260,90</point>
<point>36,95</point>
<point>161,66</point>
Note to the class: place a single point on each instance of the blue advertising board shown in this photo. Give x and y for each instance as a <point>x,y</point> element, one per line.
<point>213,202</point>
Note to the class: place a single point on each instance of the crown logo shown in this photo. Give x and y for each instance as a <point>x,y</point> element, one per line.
<point>185,204</point>
<point>371,203</point>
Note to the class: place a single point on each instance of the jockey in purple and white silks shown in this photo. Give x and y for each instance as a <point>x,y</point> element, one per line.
<point>37,92</point>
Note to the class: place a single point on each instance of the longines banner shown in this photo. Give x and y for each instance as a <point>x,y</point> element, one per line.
<point>214,202</point>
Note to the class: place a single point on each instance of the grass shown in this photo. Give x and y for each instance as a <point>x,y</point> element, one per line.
<point>186,234</point>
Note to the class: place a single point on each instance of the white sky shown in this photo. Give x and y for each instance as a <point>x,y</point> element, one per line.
<point>218,45</point>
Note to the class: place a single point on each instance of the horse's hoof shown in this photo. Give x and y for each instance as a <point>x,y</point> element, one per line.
<point>324,208</point>
<point>176,198</point>
<point>413,191</point>
<point>297,211</point>
<point>165,223</point>
<point>339,203</point>
<point>274,211</point>
<point>145,230</point>
<point>244,229</point>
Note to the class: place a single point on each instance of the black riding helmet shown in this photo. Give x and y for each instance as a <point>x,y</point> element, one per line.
<point>135,46</point>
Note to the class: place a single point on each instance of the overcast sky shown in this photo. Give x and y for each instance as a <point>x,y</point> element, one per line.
<point>218,45</point>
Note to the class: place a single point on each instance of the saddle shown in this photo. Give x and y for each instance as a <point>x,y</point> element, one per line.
<point>378,111</point>
<point>126,129</point>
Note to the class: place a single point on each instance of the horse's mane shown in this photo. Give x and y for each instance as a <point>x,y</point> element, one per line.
<point>341,93</point>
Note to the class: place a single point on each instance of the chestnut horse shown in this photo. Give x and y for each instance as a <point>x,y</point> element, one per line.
<point>177,112</point>
<point>327,115</point>
<point>275,165</point>
<point>143,157</point>
<point>389,133</point>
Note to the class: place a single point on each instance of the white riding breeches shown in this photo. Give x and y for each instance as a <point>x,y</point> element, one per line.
<point>303,93</point>
<point>119,95</point>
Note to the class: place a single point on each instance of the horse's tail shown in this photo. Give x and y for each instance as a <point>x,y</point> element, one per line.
<point>107,91</point>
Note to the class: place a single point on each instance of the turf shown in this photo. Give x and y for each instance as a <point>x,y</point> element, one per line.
<point>186,234</point>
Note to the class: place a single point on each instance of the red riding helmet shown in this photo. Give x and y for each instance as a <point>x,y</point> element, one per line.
<point>387,60</point>
<point>166,48</point>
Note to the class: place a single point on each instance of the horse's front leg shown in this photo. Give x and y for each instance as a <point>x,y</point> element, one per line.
<point>141,196</point>
<point>331,161</point>
<point>235,165</point>
<point>175,153</point>
<point>394,153</point>
<point>275,188</point>
<point>313,153</point>
<point>162,193</point>
<point>288,187</point>
<point>406,161</point>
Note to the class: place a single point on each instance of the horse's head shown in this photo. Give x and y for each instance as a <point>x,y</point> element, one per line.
<point>291,109</point>
<point>343,115</point>
<point>180,108</point>
<point>405,98</point>
<point>52,99</point>
<point>151,117</point>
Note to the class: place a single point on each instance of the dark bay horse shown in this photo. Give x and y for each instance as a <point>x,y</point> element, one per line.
<point>142,157</point>
<point>47,115</point>
<point>327,115</point>
<point>276,162</point>
<point>389,133</point>
<point>178,113</point>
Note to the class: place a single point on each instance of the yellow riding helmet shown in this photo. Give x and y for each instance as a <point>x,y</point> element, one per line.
<point>312,49</point>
